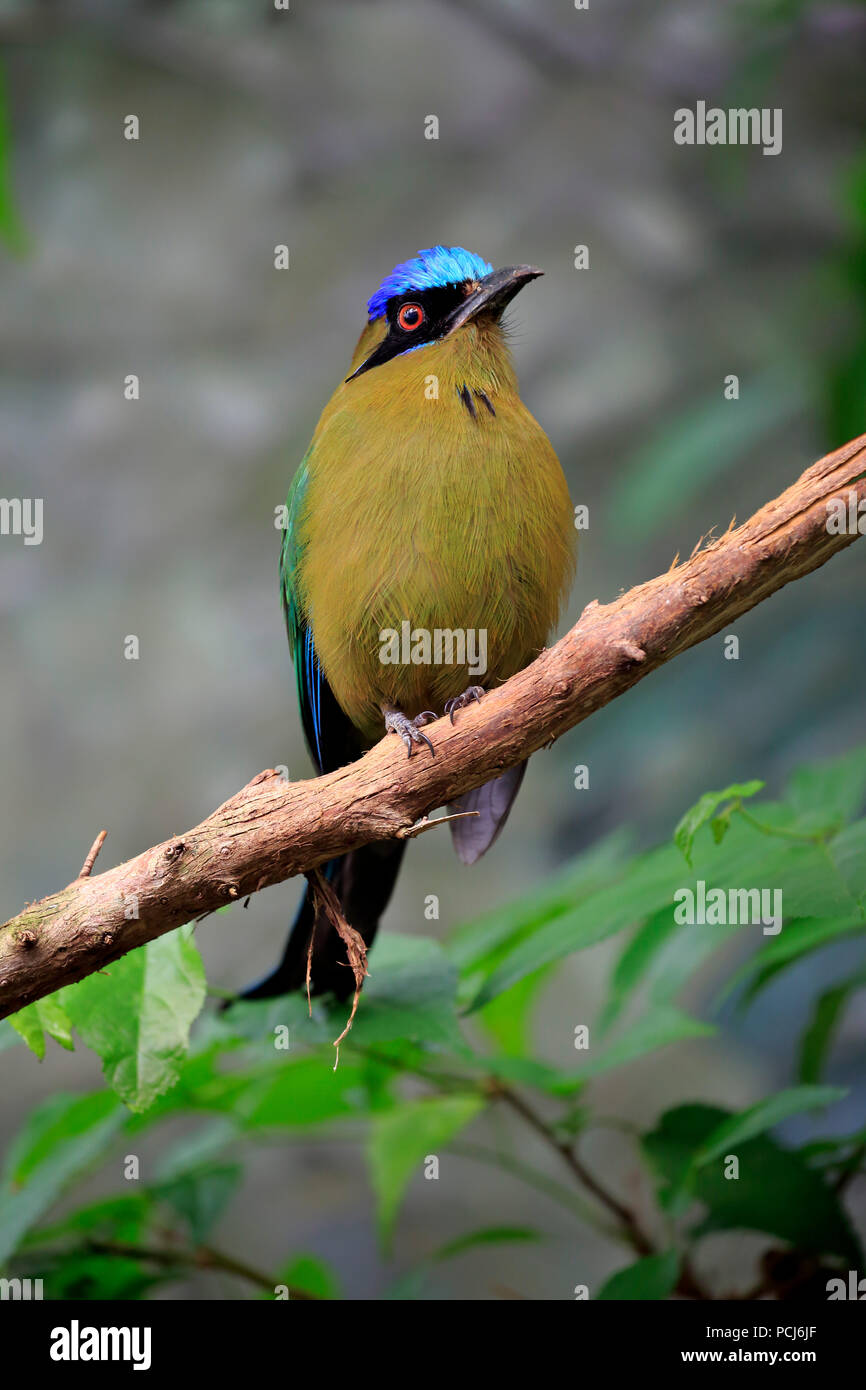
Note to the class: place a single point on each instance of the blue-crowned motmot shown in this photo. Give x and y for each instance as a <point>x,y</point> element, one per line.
<point>429,501</point>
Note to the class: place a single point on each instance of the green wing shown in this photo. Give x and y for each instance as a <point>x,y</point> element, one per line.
<point>331,737</point>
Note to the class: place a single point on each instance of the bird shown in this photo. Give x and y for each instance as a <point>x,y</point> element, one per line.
<point>429,501</point>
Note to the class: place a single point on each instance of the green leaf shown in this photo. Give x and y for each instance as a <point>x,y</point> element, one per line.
<point>45,1016</point>
<point>776,1191</point>
<point>644,886</point>
<point>311,1275</point>
<point>797,939</point>
<point>79,1275</point>
<point>653,1277</point>
<point>635,962</point>
<point>704,809</point>
<point>738,1129</point>
<point>848,852</point>
<point>295,1094</point>
<point>813,880</point>
<point>137,1015</point>
<point>60,1139</point>
<point>400,1140</point>
<point>508,1018</point>
<point>487,1235</point>
<point>410,1286</point>
<point>120,1219</point>
<point>818,1038</point>
<point>55,1021</point>
<point>201,1195</point>
<point>721,824</point>
<point>478,947</point>
<point>27,1024</point>
<point>836,788</point>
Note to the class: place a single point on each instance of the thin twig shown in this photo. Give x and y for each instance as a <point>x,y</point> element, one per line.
<point>626,1218</point>
<point>203,1257</point>
<point>425,824</point>
<point>94,850</point>
<point>688,1285</point>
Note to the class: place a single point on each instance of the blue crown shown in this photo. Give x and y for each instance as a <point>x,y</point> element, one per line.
<point>430,269</point>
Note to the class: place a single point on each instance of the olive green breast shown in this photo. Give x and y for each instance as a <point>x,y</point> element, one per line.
<point>426,517</point>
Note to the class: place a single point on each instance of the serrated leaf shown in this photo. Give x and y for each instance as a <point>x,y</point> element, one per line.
<point>400,1140</point>
<point>653,1277</point>
<point>137,1015</point>
<point>704,809</point>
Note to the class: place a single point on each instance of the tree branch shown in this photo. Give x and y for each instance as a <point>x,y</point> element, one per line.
<point>272,830</point>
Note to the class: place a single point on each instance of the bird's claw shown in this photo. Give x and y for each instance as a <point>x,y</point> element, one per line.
<point>398,723</point>
<point>474,692</point>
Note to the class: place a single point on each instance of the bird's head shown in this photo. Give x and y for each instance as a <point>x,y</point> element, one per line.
<point>436,294</point>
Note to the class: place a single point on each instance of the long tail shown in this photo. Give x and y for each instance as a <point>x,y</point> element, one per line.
<point>491,803</point>
<point>363,881</point>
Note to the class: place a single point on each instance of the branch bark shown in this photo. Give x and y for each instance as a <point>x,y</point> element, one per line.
<point>272,830</point>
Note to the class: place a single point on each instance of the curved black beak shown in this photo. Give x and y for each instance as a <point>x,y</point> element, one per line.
<point>493,293</point>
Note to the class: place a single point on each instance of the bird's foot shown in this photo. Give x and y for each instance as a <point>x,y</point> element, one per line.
<point>396,722</point>
<point>474,692</point>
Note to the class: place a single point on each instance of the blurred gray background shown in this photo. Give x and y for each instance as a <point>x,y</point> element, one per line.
<point>156,257</point>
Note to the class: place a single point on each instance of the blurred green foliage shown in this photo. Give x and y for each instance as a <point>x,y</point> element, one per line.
<point>422,1065</point>
<point>12,233</point>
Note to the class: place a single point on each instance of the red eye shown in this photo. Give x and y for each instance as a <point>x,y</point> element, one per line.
<point>410,317</point>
